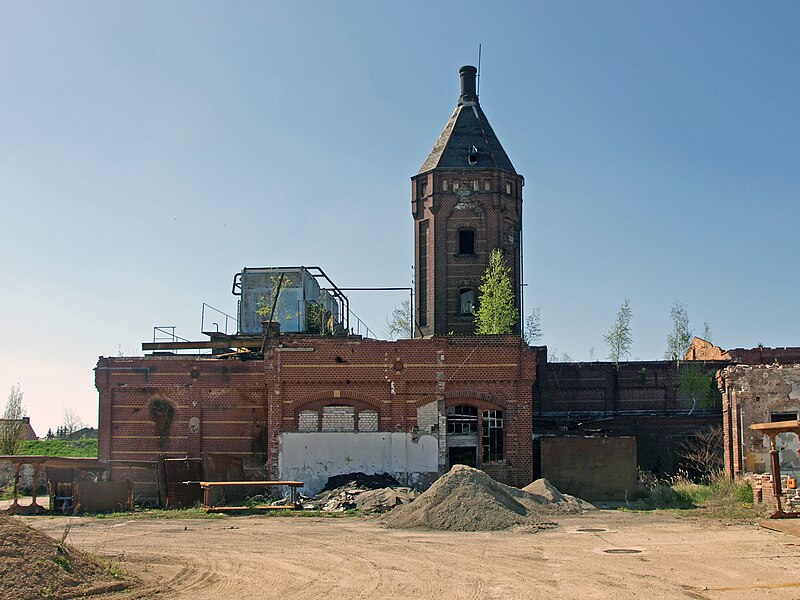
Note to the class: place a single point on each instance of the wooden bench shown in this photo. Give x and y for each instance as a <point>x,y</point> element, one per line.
<point>208,486</point>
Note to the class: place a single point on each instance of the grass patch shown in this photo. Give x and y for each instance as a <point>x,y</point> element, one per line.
<point>161,513</point>
<point>84,447</point>
<point>720,498</point>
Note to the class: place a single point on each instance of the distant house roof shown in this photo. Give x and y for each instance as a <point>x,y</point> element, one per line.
<point>468,141</point>
<point>85,432</point>
<point>28,432</point>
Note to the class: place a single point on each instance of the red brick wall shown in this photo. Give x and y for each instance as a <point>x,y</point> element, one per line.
<point>242,407</point>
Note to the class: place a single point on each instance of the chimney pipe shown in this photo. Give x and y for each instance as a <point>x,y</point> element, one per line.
<point>468,73</point>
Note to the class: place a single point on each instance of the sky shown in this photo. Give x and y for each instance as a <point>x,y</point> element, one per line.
<point>150,150</point>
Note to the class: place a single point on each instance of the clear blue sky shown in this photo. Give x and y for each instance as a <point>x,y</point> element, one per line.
<point>149,150</point>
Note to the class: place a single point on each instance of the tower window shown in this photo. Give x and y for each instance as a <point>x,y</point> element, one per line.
<point>422,275</point>
<point>508,187</point>
<point>473,155</point>
<point>486,186</point>
<point>423,189</point>
<point>445,185</point>
<point>466,241</point>
<point>466,300</point>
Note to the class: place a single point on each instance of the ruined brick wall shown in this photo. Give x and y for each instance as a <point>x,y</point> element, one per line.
<point>765,356</point>
<point>758,394</point>
<point>241,408</point>
<point>590,387</point>
<point>640,399</point>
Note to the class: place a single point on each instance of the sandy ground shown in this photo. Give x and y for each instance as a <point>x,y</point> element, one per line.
<point>310,557</point>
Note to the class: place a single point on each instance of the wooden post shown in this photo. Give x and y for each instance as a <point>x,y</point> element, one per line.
<point>33,487</point>
<point>776,474</point>
<point>15,503</point>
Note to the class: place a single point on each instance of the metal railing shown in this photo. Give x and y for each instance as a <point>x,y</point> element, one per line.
<point>167,334</point>
<point>227,320</point>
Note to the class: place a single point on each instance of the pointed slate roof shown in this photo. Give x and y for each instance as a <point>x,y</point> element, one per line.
<point>466,131</point>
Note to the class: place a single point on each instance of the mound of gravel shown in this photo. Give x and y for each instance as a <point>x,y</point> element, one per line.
<point>544,489</point>
<point>34,565</point>
<point>467,499</point>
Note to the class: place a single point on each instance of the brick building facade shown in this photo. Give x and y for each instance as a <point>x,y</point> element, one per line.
<point>314,407</point>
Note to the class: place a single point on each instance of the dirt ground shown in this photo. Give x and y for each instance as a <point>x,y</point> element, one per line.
<point>355,557</point>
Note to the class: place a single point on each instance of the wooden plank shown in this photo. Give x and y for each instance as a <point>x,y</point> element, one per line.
<point>209,484</point>
<point>233,509</point>
<point>205,344</point>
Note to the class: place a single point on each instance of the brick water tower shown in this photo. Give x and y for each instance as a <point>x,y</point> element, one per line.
<point>466,201</point>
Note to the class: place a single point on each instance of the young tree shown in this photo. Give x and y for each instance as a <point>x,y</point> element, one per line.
<point>619,338</point>
<point>697,385</point>
<point>11,428</point>
<point>399,324</point>
<point>72,422</point>
<point>707,332</point>
<point>681,337</point>
<point>496,312</point>
<point>533,327</point>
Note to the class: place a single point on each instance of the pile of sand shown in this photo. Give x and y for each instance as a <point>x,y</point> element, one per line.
<point>466,499</point>
<point>545,489</point>
<point>34,565</point>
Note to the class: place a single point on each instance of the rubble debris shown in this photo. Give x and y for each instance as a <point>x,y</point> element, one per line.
<point>361,480</point>
<point>358,491</point>
<point>467,499</point>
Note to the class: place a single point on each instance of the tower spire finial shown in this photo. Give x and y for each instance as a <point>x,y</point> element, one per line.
<point>468,90</point>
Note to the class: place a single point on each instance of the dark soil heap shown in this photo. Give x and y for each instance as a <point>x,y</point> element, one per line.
<point>34,565</point>
<point>467,499</point>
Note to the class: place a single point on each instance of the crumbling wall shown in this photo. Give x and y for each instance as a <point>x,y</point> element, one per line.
<point>759,394</point>
<point>642,399</point>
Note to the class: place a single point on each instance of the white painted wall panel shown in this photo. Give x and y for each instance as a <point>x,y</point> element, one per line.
<point>313,457</point>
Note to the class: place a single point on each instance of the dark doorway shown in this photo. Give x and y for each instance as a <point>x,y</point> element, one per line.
<point>463,455</point>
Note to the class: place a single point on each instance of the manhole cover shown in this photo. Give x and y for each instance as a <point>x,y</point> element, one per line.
<point>591,530</point>
<point>622,551</point>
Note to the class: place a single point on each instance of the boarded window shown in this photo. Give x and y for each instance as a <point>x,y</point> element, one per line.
<point>368,420</point>
<point>462,419</point>
<point>308,420</point>
<point>338,418</point>
<point>492,435</point>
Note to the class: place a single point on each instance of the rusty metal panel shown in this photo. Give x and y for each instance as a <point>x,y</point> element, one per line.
<point>176,473</point>
<point>224,467</point>
<point>103,496</point>
<point>591,468</point>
